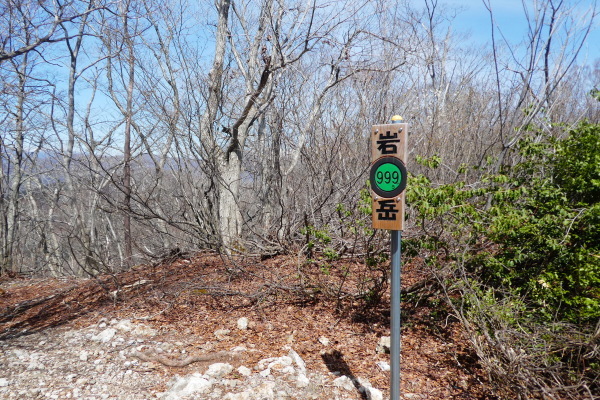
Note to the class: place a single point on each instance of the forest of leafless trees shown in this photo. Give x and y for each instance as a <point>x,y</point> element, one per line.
<point>134,128</point>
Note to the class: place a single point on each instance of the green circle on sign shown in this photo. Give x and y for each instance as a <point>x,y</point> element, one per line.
<point>388,177</point>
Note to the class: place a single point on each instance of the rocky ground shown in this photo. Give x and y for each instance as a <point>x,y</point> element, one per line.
<point>121,359</point>
<point>207,328</point>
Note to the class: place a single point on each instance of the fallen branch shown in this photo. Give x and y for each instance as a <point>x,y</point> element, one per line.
<point>20,308</point>
<point>417,286</point>
<point>170,362</point>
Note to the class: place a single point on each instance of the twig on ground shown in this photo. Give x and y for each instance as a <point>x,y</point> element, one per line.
<point>179,363</point>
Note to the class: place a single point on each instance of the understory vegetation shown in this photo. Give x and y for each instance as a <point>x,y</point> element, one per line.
<point>517,257</point>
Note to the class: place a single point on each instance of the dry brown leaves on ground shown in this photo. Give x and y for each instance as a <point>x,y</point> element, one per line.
<point>288,303</point>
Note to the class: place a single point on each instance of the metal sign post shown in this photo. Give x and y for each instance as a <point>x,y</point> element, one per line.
<point>388,180</point>
<point>395,318</point>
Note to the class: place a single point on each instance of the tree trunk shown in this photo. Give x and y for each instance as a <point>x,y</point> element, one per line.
<point>127,152</point>
<point>16,178</point>
<point>230,217</point>
<point>229,186</point>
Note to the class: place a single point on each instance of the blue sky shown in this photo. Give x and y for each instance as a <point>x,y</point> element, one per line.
<point>509,15</point>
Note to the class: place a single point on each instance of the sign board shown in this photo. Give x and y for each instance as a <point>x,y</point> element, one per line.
<point>388,175</point>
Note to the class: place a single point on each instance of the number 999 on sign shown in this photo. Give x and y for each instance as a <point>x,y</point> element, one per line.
<point>388,177</point>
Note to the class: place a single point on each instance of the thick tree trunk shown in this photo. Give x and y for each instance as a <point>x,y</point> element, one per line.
<point>229,223</point>
<point>230,217</point>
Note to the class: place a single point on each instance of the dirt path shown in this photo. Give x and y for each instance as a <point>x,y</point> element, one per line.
<point>191,307</point>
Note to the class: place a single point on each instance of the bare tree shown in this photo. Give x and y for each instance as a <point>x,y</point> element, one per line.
<point>120,35</point>
<point>44,21</point>
<point>134,128</point>
<point>278,41</point>
<point>12,167</point>
<point>24,97</point>
<point>557,30</point>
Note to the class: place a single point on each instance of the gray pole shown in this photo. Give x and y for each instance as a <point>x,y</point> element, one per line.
<point>395,310</point>
<point>395,318</point>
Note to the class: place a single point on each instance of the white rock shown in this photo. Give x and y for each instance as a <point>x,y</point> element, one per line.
<point>384,345</point>
<point>344,382</point>
<point>230,382</point>
<point>370,392</point>
<point>218,370</point>
<point>36,365</point>
<point>289,370</point>
<point>363,383</point>
<point>383,365</point>
<point>262,364</point>
<point>411,396</point>
<point>265,373</point>
<point>238,396</point>
<point>124,325</point>
<point>105,336</point>
<point>83,356</point>
<point>298,360</point>
<point>143,330</point>
<point>373,394</point>
<point>185,386</point>
<point>242,323</point>
<point>302,380</point>
<point>244,371</point>
<point>280,363</point>
<point>4,382</point>
<point>324,341</point>
<point>22,355</point>
<point>265,390</point>
<point>221,334</point>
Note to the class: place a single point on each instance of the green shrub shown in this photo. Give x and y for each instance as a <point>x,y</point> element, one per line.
<point>532,230</point>
<point>518,255</point>
<point>548,236</point>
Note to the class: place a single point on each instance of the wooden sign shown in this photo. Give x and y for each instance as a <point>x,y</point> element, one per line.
<point>388,175</point>
<point>389,140</point>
